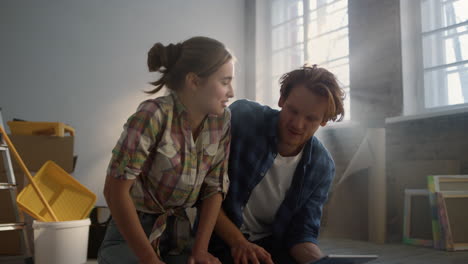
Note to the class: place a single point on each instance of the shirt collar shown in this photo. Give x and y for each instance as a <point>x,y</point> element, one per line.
<point>308,149</point>
<point>272,126</point>
<point>179,107</point>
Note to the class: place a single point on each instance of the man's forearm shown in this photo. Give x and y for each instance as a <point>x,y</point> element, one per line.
<point>305,252</point>
<point>227,230</point>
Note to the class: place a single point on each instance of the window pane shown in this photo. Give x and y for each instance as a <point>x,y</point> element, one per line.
<point>455,95</point>
<point>445,47</point>
<point>327,43</point>
<point>329,23</point>
<point>437,14</point>
<point>447,86</point>
<point>328,47</point>
<point>341,70</point>
<point>275,93</point>
<point>288,34</point>
<point>278,64</point>
<point>283,10</point>
<point>287,60</point>
<point>318,4</point>
<point>347,105</point>
<point>328,18</point>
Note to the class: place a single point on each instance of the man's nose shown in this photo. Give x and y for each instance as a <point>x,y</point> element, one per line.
<point>298,123</point>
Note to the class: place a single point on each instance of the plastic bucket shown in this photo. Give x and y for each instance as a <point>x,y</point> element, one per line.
<point>61,242</point>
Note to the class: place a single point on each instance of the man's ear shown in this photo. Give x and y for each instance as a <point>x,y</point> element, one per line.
<point>324,123</point>
<point>192,81</point>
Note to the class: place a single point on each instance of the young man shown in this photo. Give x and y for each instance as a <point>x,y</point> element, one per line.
<point>280,173</point>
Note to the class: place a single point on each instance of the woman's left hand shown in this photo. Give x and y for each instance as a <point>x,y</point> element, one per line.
<point>203,258</point>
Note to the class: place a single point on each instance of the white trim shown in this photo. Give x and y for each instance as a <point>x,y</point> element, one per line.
<point>444,66</point>
<point>442,111</point>
<point>415,192</point>
<point>437,179</point>
<point>437,30</point>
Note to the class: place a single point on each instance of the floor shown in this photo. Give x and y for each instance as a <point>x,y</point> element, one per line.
<point>393,253</point>
<point>388,253</point>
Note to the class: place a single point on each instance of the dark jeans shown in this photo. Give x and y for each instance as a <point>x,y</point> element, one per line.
<point>114,248</point>
<point>279,256</point>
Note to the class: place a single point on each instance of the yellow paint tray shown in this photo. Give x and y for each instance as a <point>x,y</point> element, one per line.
<point>67,197</point>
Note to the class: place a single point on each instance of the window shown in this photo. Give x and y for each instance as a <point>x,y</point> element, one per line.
<point>444,32</point>
<point>312,31</point>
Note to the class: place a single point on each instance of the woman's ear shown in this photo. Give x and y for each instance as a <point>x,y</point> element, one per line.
<point>192,81</point>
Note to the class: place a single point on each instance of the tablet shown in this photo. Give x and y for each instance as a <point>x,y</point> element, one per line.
<point>345,259</point>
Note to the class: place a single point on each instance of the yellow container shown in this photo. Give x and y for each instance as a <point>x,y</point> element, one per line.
<point>68,198</point>
<point>40,128</point>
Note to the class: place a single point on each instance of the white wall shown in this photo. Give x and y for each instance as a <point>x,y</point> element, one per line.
<point>84,62</point>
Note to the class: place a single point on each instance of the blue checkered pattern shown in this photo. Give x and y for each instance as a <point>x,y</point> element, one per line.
<point>253,150</point>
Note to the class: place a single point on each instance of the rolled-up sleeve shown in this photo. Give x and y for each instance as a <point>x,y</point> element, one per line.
<point>135,142</point>
<point>305,224</point>
<point>216,180</point>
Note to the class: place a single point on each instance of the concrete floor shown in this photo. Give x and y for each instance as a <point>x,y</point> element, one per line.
<point>393,253</point>
<point>388,253</point>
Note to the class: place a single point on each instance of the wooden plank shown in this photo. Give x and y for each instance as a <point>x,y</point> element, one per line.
<point>417,225</point>
<point>454,218</point>
<point>410,175</point>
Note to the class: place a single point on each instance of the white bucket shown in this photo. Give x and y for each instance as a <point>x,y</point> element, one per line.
<point>61,242</point>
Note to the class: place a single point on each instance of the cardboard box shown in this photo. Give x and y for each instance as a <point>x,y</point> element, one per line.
<point>10,243</point>
<point>36,150</point>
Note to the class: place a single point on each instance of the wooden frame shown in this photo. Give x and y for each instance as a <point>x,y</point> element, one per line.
<point>438,183</point>
<point>454,221</point>
<point>419,239</point>
<point>442,183</point>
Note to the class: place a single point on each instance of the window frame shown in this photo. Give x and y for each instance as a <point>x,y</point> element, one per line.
<point>435,96</point>
<point>304,44</point>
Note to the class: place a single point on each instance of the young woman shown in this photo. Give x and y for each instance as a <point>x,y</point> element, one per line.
<point>172,155</point>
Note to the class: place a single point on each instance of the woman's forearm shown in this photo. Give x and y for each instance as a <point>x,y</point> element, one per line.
<point>208,214</point>
<point>126,218</point>
<point>227,230</point>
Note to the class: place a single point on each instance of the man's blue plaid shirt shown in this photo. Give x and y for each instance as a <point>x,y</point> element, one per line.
<point>253,150</point>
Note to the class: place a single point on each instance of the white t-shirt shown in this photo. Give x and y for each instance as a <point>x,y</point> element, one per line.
<point>259,212</point>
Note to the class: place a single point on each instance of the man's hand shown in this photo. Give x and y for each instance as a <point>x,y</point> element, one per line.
<point>306,252</point>
<point>202,258</point>
<point>246,252</point>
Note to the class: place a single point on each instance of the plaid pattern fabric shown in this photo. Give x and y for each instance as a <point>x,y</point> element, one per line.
<point>171,170</point>
<point>253,150</point>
